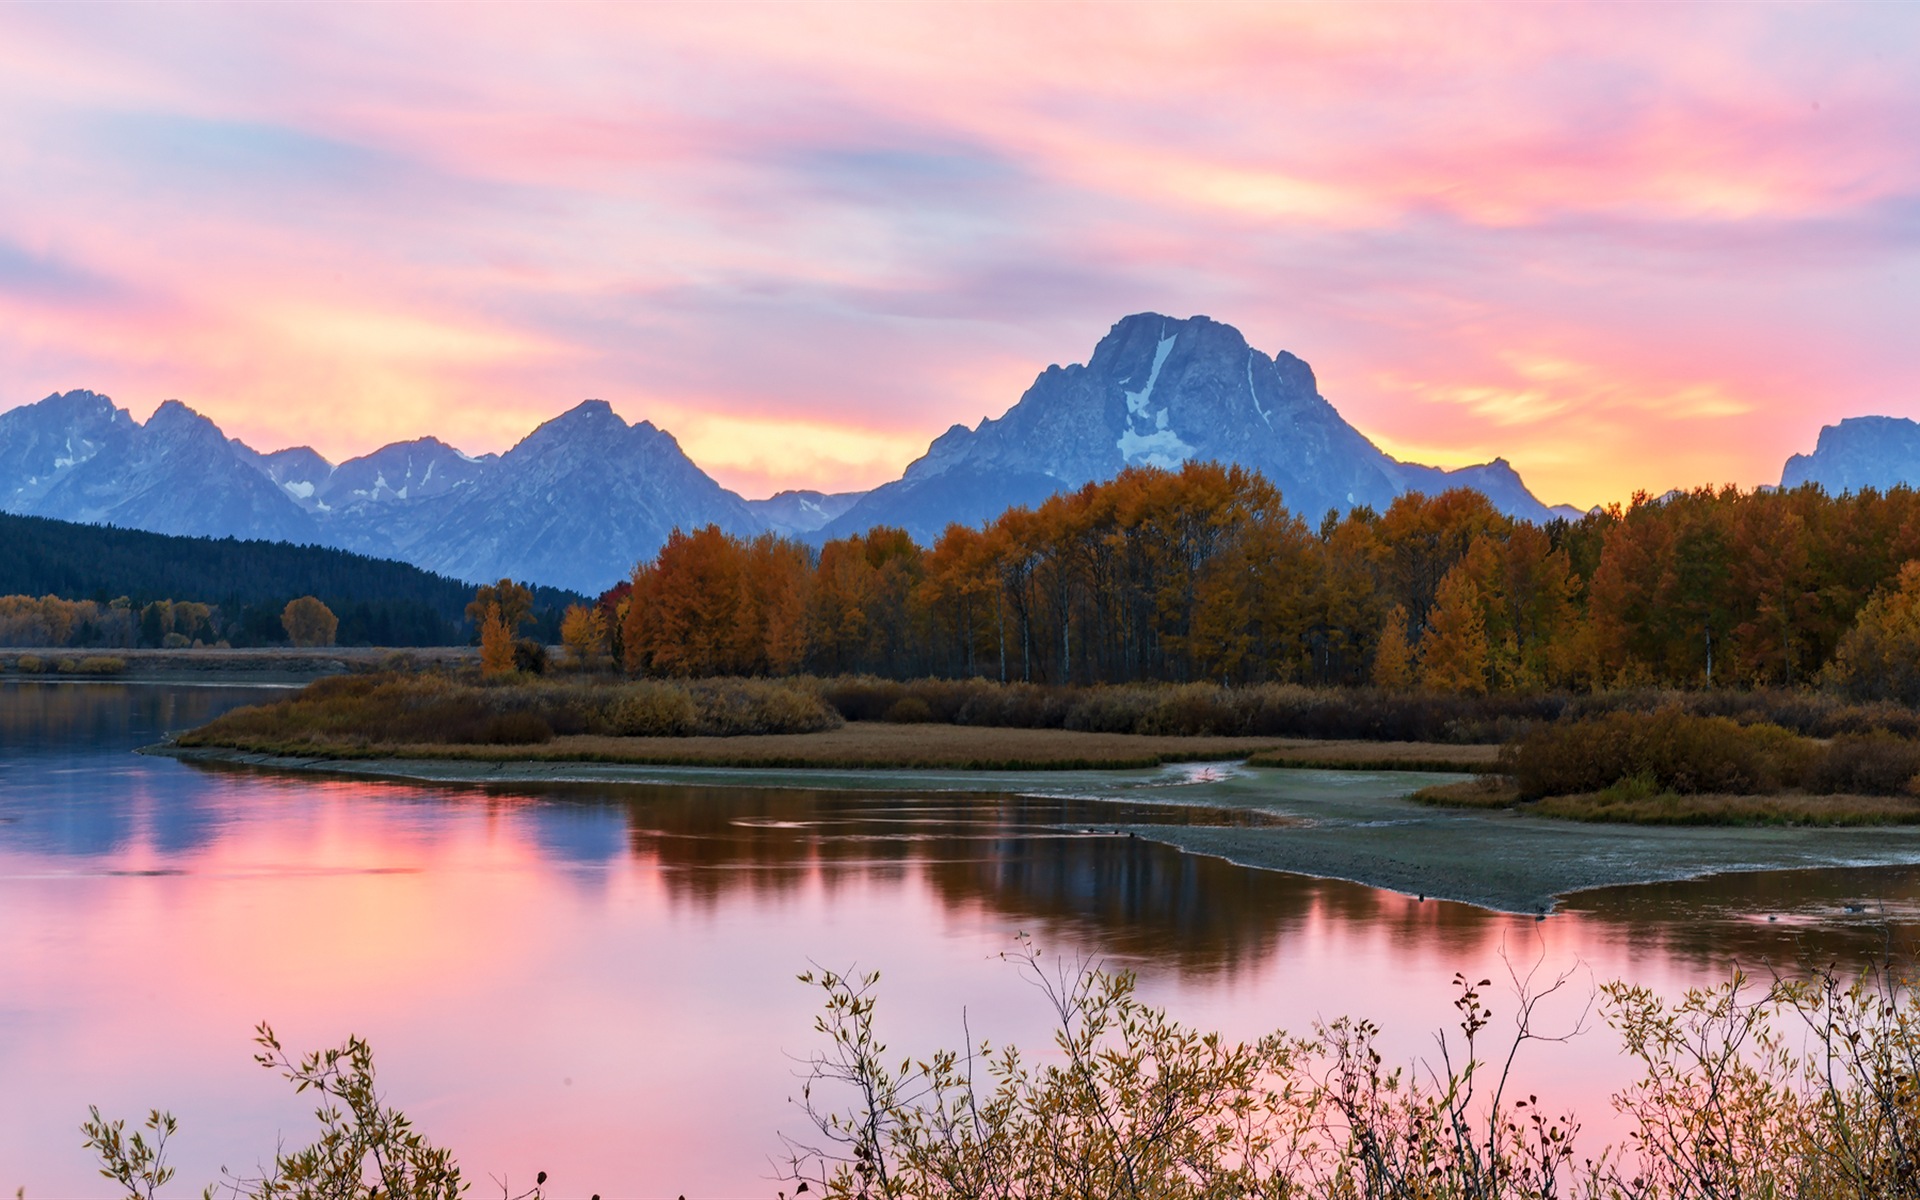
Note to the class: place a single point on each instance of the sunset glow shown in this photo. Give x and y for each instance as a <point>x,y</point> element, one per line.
<point>1624,247</point>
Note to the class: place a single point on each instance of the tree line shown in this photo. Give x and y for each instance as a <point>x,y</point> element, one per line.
<point>377,602</point>
<point>1204,574</point>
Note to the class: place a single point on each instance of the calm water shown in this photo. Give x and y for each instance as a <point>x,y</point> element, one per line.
<point>598,981</point>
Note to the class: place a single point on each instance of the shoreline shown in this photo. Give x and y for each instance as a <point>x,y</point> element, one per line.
<point>210,665</point>
<point>874,745</point>
<point>1354,825</point>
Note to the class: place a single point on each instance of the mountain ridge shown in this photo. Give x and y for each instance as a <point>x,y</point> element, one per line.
<point>585,495</point>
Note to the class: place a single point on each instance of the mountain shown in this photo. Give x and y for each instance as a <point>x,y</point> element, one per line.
<point>1859,453</point>
<point>1158,392</point>
<point>576,504</point>
<point>796,513</point>
<point>75,457</point>
<point>585,496</point>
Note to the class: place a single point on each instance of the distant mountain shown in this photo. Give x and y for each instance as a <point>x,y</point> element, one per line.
<point>78,458</point>
<point>576,504</point>
<point>1158,392</point>
<point>1858,453</point>
<point>793,514</point>
<point>585,496</point>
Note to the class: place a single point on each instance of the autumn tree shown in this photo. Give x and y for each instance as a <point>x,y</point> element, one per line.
<point>514,601</point>
<point>685,615</point>
<point>1454,655</point>
<point>1346,606</point>
<point>496,642</point>
<point>308,622</point>
<point>584,633</point>
<point>1879,659</point>
<point>1393,656</point>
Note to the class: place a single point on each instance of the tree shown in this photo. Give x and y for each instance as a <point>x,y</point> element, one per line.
<point>584,632</point>
<point>309,622</point>
<point>514,600</point>
<point>496,643</point>
<point>1454,656</point>
<point>156,621</point>
<point>1879,658</point>
<point>1393,657</point>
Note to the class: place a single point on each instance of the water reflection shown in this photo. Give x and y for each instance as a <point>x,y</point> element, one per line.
<point>601,976</point>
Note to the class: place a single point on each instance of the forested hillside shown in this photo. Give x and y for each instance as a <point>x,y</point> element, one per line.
<point>378,602</point>
<point>1203,573</point>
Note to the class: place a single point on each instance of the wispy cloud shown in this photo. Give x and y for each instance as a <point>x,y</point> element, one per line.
<point>1626,247</point>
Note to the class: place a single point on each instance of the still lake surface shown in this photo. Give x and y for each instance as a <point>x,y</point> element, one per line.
<point>597,980</point>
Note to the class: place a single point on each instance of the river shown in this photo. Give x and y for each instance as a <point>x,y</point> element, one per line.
<point>597,980</point>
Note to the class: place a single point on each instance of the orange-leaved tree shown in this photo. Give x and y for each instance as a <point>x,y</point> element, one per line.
<point>308,622</point>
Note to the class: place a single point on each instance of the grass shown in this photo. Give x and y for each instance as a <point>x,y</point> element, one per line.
<point>1350,755</point>
<point>368,715</point>
<point>1638,801</point>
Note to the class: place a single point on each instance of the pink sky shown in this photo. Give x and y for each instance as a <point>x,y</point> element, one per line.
<point>1624,246</point>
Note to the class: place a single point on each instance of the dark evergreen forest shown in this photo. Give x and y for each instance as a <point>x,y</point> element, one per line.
<point>379,602</point>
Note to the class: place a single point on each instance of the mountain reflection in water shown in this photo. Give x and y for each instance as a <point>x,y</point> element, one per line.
<point>597,980</point>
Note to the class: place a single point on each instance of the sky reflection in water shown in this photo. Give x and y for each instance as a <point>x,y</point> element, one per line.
<point>597,981</point>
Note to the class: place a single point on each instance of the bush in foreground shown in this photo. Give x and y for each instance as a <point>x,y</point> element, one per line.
<point>1130,1103</point>
<point>1798,1088</point>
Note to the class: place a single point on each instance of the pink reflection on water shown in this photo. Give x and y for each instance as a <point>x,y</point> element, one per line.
<point>605,991</point>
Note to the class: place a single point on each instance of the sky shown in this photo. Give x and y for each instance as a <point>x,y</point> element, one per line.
<point>1624,246</point>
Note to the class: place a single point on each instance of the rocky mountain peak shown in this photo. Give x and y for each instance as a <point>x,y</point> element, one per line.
<point>1860,452</point>
<point>1157,391</point>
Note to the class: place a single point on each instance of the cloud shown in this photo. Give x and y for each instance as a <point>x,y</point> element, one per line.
<point>1623,247</point>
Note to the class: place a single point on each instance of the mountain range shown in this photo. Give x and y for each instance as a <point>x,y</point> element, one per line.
<point>586,495</point>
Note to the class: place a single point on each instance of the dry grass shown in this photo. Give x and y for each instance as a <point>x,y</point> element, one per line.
<point>1632,803</point>
<point>1487,791</point>
<point>1786,808</point>
<point>1350,755</point>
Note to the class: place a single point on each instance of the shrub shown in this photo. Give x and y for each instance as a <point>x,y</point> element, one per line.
<point>175,641</point>
<point>100,665</point>
<point>1869,764</point>
<point>529,656</point>
<point>30,664</point>
<point>515,729</point>
<point>648,709</point>
<point>1670,749</point>
<point>733,707</point>
<point>910,710</point>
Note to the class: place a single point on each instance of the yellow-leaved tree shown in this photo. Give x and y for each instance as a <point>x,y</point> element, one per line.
<point>1393,656</point>
<point>496,643</point>
<point>584,633</point>
<point>1454,655</point>
<point>1879,658</point>
<point>308,622</point>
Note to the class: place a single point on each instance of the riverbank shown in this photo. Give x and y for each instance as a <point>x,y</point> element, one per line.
<point>263,664</point>
<point>875,745</point>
